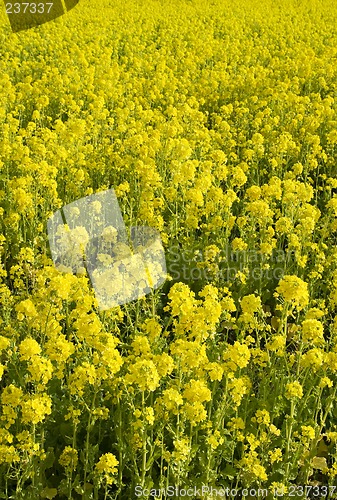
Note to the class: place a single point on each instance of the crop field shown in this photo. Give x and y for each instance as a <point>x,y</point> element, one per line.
<point>215,124</point>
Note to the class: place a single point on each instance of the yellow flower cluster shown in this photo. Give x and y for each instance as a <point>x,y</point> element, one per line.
<point>215,123</point>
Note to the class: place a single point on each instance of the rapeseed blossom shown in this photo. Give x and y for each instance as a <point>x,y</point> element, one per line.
<point>69,458</point>
<point>107,467</point>
<point>294,291</point>
<point>294,390</point>
<point>215,124</point>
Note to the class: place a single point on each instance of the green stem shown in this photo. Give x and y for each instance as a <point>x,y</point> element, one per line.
<point>290,423</point>
<point>144,444</point>
<point>87,440</point>
<point>70,484</point>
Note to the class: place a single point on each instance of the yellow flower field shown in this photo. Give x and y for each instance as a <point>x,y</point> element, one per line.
<point>215,122</point>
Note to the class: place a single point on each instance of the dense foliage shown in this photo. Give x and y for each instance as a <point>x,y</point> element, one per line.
<point>216,124</point>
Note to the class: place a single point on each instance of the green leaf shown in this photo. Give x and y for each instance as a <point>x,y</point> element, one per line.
<point>48,462</point>
<point>49,493</point>
<point>230,472</point>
